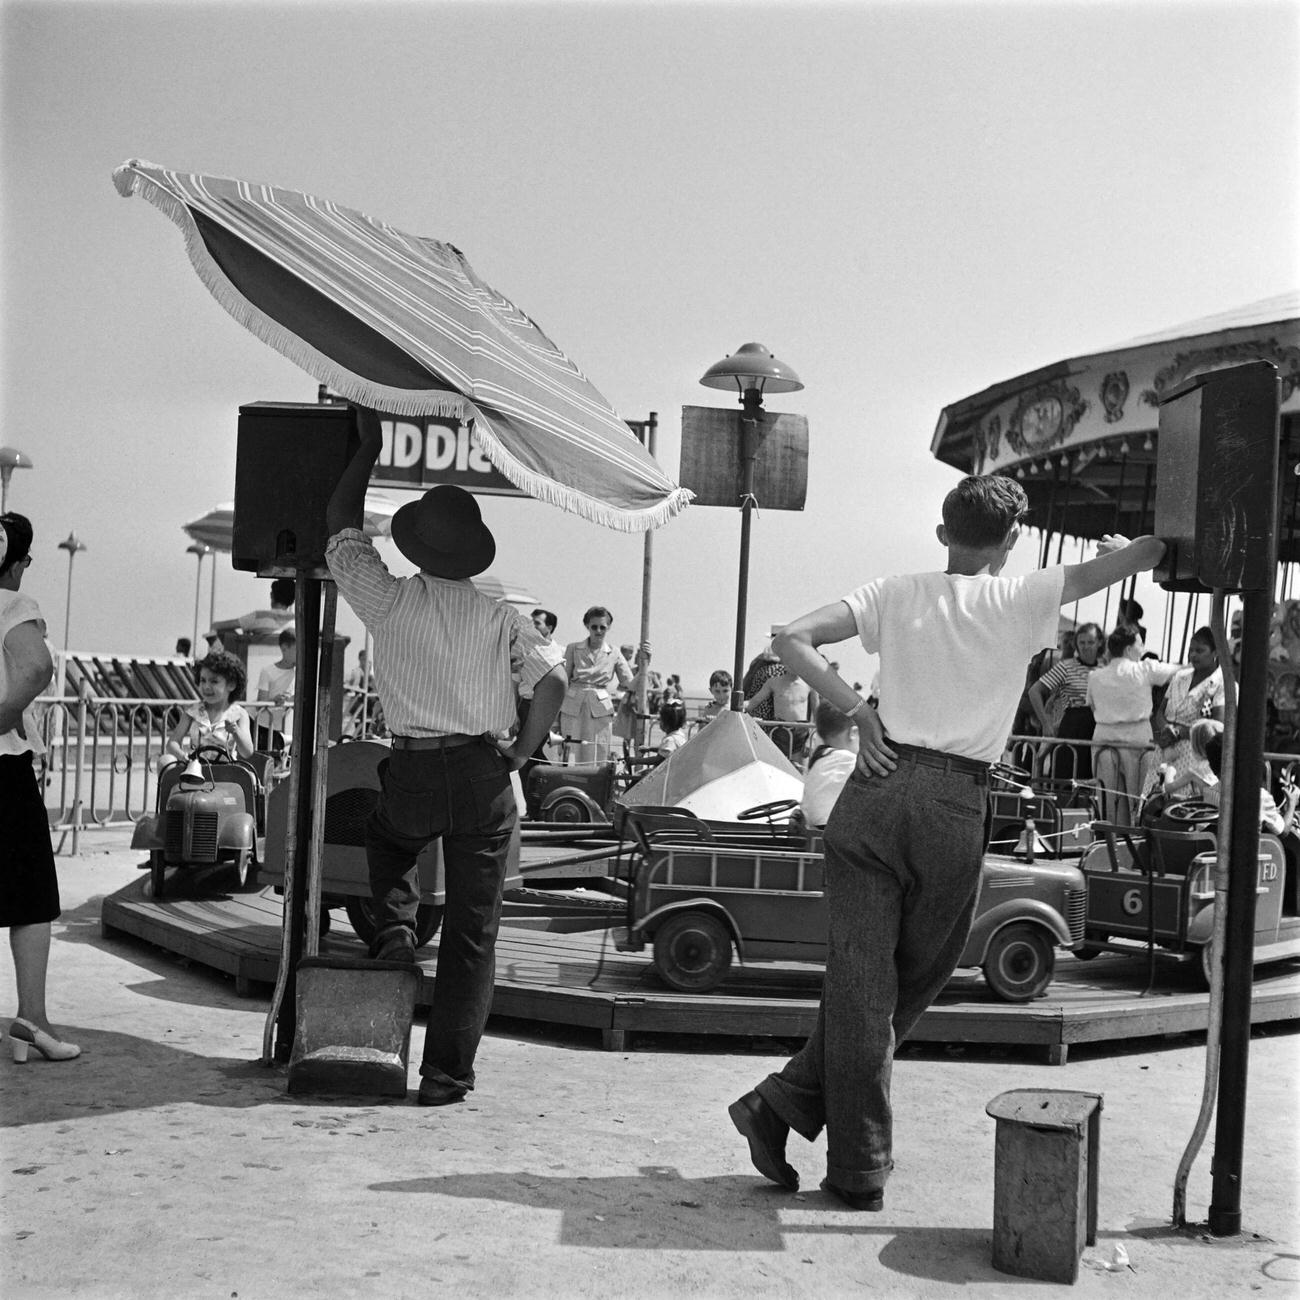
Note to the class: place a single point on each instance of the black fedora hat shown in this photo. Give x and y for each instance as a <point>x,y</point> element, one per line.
<point>444,533</point>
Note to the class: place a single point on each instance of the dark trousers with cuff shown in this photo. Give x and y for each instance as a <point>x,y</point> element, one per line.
<point>463,797</point>
<point>903,860</point>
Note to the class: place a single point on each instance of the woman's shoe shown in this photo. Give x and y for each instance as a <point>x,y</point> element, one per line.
<point>23,1034</point>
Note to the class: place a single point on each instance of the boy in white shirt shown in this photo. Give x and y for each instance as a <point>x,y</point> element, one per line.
<point>829,766</point>
<point>906,839</point>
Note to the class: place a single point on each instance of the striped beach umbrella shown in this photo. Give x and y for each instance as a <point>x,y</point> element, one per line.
<point>216,528</point>
<point>402,323</point>
<point>727,766</point>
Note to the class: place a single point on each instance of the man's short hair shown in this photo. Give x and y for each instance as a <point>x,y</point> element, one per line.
<point>829,720</point>
<point>720,677</point>
<point>548,618</point>
<point>982,509</point>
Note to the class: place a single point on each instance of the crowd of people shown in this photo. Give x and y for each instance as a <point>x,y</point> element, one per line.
<point>1109,710</point>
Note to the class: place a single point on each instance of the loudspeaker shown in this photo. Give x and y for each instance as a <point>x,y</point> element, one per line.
<point>289,459</point>
<point>1216,480</point>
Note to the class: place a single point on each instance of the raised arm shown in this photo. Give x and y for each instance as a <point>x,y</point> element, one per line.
<point>346,508</point>
<point>1117,558</point>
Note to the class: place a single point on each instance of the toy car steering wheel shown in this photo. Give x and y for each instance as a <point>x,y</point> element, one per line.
<point>767,810</point>
<point>1011,774</point>
<point>1191,812</point>
<point>210,753</point>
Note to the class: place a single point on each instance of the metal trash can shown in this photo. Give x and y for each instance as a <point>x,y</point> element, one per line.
<point>1045,1181</point>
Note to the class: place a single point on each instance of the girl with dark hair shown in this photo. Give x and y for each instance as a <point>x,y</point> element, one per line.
<point>214,719</point>
<point>29,887</point>
<point>672,722</point>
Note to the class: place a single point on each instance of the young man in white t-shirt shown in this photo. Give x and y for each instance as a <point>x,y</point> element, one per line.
<point>906,839</point>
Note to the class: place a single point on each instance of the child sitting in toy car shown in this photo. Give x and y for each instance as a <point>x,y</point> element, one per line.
<point>213,719</point>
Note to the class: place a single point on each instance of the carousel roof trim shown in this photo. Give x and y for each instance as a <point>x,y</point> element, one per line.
<point>958,421</point>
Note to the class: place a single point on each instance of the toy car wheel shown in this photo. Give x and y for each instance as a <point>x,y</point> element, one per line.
<point>1087,952</point>
<point>245,868</point>
<point>568,811</point>
<point>1206,965</point>
<point>1019,963</point>
<point>692,951</point>
<point>361,913</point>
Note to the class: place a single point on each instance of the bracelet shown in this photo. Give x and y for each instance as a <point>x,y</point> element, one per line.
<point>857,708</point>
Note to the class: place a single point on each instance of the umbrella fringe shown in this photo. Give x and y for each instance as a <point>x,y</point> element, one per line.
<point>572,499</point>
<point>394,401</point>
<point>354,387</point>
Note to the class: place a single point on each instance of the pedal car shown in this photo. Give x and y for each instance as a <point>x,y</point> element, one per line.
<point>351,793</point>
<point>210,811</point>
<point>699,891</point>
<point>1151,890</point>
<point>575,794</point>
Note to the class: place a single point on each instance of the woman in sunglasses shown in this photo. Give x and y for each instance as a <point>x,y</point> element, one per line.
<point>587,714</point>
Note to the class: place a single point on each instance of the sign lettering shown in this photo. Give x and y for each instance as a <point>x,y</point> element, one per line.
<point>1133,902</point>
<point>423,452</point>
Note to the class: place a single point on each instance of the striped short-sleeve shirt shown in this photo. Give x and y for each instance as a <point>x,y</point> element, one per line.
<point>1069,680</point>
<point>444,652</point>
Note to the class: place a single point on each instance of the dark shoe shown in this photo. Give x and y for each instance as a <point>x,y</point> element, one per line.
<point>766,1132</point>
<point>855,1200</point>
<point>394,943</point>
<point>439,1094</point>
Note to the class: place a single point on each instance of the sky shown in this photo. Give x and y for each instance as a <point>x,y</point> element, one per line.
<point>905,202</point>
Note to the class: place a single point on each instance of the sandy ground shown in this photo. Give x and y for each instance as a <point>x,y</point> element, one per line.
<point>168,1162</point>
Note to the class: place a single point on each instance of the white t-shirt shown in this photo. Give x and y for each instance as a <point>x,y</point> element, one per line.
<point>952,653</point>
<point>15,608</point>
<point>822,785</point>
<point>274,680</point>
<point>1121,691</point>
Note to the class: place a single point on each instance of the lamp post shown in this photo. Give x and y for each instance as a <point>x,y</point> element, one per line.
<point>10,459</point>
<point>72,544</point>
<point>751,370</point>
<point>199,550</point>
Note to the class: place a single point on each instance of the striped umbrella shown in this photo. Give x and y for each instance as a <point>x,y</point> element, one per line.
<point>403,324</point>
<point>216,528</point>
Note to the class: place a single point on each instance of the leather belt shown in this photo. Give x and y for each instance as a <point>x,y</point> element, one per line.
<point>454,741</point>
<point>937,758</point>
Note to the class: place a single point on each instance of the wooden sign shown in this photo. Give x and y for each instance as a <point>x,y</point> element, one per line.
<point>711,458</point>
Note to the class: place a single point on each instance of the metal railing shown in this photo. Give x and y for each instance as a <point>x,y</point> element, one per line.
<point>100,767</point>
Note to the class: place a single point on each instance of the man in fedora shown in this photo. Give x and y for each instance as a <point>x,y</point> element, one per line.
<point>443,658</point>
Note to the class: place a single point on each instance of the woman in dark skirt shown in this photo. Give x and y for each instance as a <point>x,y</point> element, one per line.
<point>29,890</point>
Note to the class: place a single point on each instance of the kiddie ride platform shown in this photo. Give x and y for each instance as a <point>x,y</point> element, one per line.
<point>564,969</point>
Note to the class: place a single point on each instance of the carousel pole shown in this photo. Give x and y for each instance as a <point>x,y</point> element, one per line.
<point>1051,518</point>
<point>1065,512</point>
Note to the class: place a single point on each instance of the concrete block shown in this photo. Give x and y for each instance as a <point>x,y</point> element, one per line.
<point>353,1032</point>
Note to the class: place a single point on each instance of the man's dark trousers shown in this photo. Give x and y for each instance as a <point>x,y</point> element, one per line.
<point>462,796</point>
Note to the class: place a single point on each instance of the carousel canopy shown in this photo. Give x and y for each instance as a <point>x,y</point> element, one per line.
<point>1081,434</point>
